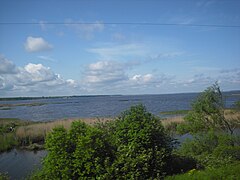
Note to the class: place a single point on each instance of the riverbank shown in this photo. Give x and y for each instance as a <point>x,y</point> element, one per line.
<point>31,135</point>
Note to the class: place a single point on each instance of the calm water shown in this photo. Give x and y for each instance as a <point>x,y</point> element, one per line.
<point>20,163</point>
<point>98,106</point>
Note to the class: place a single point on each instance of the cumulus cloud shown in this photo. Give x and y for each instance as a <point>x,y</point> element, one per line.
<point>143,78</point>
<point>6,66</point>
<point>36,44</point>
<point>104,72</point>
<point>85,30</point>
<point>33,78</point>
<point>114,77</point>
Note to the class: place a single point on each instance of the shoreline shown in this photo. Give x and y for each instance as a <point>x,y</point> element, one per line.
<point>30,135</point>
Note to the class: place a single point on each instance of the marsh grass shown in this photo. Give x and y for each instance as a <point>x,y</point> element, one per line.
<point>177,112</point>
<point>27,133</point>
<point>171,123</point>
<point>7,141</point>
<point>36,133</point>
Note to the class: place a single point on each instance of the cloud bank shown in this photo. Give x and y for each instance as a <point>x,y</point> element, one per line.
<point>32,79</point>
<point>105,77</point>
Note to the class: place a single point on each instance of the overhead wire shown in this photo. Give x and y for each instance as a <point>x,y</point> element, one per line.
<point>122,23</point>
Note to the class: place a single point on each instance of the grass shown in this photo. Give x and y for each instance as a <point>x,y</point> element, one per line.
<point>4,176</point>
<point>8,127</point>
<point>177,112</point>
<point>225,172</point>
<point>7,141</point>
<point>32,135</point>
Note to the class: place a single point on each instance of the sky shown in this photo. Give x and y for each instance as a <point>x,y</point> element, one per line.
<point>92,47</point>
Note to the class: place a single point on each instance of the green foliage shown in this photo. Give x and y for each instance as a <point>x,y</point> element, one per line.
<point>58,162</point>
<point>4,176</point>
<point>133,146</point>
<point>212,149</point>
<point>207,113</point>
<point>142,145</point>
<point>7,141</point>
<point>93,155</point>
<point>83,152</point>
<point>229,172</point>
<point>237,105</point>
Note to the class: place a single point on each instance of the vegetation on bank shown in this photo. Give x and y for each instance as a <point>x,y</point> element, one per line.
<point>177,112</point>
<point>214,145</point>
<point>31,135</point>
<point>228,172</point>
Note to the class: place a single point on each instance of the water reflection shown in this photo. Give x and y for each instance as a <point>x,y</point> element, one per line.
<point>19,163</point>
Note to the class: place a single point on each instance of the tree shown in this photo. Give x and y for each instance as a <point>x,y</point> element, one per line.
<point>143,148</point>
<point>208,113</point>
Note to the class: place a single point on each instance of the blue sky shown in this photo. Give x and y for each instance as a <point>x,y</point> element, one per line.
<point>73,58</point>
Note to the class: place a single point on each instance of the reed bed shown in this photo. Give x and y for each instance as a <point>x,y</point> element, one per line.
<point>35,133</point>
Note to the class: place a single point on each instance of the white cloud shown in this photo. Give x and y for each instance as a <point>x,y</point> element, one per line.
<point>104,72</point>
<point>164,56</point>
<point>47,58</point>
<point>143,78</point>
<point>118,51</point>
<point>85,30</point>
<point>113,77</point>
<point>39,73</point>
<point>33,78</point>
<point>36,44</point>
<point>6,66</point>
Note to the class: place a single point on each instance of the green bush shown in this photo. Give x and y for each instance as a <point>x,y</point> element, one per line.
<point>212,149</point>
<point>207,114</point>
<point>133,146</point>
<point>143,148</point>
<point>229,172</point>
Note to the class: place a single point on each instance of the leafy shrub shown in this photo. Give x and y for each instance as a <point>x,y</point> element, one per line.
<point>143,147</point>
<point>207,113</point>
<point>212,149</point>
<point>230,172</point>
<point>133,146</point>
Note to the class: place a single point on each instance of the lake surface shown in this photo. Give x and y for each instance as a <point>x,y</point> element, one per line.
<point>99,106</point>
<point>20,163</point>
